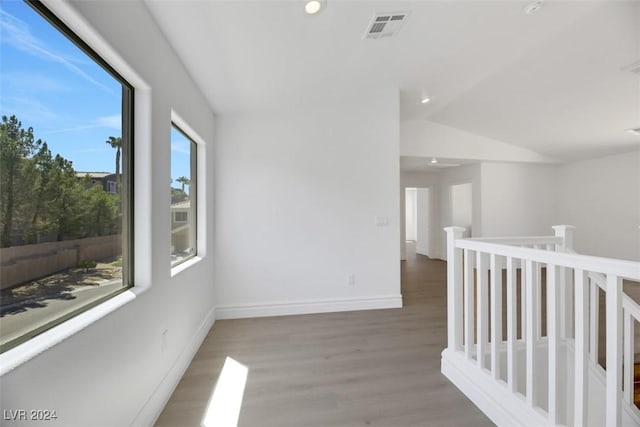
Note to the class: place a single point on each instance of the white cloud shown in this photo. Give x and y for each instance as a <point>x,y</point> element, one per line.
<point>179,148</point>
<point>111,122</point>
<point>16,33</point>
<point>114,121</point>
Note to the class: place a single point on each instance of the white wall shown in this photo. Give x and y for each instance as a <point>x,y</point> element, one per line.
<point>462,206</point>
<point>297,197</point>
<point>519,199</point>
<point>601,198</point>
<point>423,220</point>
<point>470,174</point>
<point>411,213</point>
<point>114,372</point>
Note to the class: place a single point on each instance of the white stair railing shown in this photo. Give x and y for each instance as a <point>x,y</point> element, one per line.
<point>476,268</point>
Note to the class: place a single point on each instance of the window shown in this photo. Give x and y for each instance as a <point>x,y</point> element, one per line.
<point>183,196</point>
<point>181,216</point>
<point>65,240</point>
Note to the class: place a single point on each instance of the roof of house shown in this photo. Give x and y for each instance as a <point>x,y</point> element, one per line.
<point>97,175</point>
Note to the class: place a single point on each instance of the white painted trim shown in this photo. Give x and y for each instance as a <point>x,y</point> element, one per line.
<point>308,307</point>
<point>31,348</point>
<point>152,409</point>
<point>492,398</point>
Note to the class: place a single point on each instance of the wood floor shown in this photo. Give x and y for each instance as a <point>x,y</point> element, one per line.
<point>377,367</point>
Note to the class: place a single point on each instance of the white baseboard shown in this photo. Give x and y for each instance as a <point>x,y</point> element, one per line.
<point>308,307</point>
<point>502,407</point>
<point>422,251</point>
<point>150,412</point>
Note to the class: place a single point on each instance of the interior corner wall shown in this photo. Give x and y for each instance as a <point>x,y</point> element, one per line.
<point>455,176</point>
<point>519,199</point>
<point>118,371</point>
<point>601,198</point>
<point>298,196</point>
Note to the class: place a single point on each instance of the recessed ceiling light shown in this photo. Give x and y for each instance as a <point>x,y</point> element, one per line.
<point>425,100</point>
<point>635,131</point>
<point>532,8</point>
<point>434,160</point>
<point>312,7</point>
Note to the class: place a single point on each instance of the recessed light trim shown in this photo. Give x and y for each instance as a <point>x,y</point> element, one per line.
<point>312,7</point>
<point>425,100</point>
<point>533,8</point>
<point>434,160</point>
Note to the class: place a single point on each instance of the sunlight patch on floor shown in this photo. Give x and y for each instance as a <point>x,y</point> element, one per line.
<point>224,405</point>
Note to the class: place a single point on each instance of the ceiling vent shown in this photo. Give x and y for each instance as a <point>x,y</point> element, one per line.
<point>385,25</point>
<point>633,68</point>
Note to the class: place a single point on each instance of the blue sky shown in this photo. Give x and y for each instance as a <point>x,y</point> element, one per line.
<point>68,99</point>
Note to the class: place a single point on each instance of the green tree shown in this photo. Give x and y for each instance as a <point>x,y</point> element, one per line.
<point>42,165</point>
<point>66,207</point>
<point>116,142</point>
<point>16,146</point>
<point>184,181</point>
<point>100,213</point>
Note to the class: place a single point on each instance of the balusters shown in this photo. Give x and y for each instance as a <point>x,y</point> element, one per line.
<point>594,319</point>
<point>531,331</point>
<point>496,314</point>
<point>483,308</point>
<point>614,351</point>
<point>629,346</point>
<point>580,348</point>
<point>469,309</point>
<point>553,336</point>
<point>512,330</point>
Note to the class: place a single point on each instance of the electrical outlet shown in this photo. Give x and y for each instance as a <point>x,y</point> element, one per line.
<point>352,279</point>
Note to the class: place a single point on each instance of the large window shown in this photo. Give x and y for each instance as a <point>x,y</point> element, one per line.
<point>65,175</point>
<point>183,196</point>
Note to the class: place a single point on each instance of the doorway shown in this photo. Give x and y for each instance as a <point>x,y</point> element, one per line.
<point>417,202</point>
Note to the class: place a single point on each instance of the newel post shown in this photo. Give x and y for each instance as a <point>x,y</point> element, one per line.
<point>454,289</point>
<point>566,233</point>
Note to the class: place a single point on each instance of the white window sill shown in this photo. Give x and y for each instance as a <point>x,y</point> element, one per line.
<point>31,348</point>
<point>185,265</point>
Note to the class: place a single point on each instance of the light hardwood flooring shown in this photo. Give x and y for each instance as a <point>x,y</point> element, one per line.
<point>376,367</point>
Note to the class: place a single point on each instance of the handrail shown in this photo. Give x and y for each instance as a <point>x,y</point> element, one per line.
<point>627,302</point>
<point>621,268</point>
<point>522,240</point>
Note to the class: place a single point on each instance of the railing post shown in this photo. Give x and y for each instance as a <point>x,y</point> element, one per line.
<point>565,232</point>
<point>454,288</point>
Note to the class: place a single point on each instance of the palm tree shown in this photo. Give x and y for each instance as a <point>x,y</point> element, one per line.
<point>116,142</point>
<point>184,181</point>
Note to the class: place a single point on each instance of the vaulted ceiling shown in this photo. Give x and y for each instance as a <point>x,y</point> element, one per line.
<point>558,82</point>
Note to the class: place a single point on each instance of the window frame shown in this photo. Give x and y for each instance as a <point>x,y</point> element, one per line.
<point>193,189</point>
<point>127,197</point>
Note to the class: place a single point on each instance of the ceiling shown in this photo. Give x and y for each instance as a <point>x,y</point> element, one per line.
<point>554,82</point>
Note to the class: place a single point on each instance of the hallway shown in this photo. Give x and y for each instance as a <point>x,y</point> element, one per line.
<point>378,367</point>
